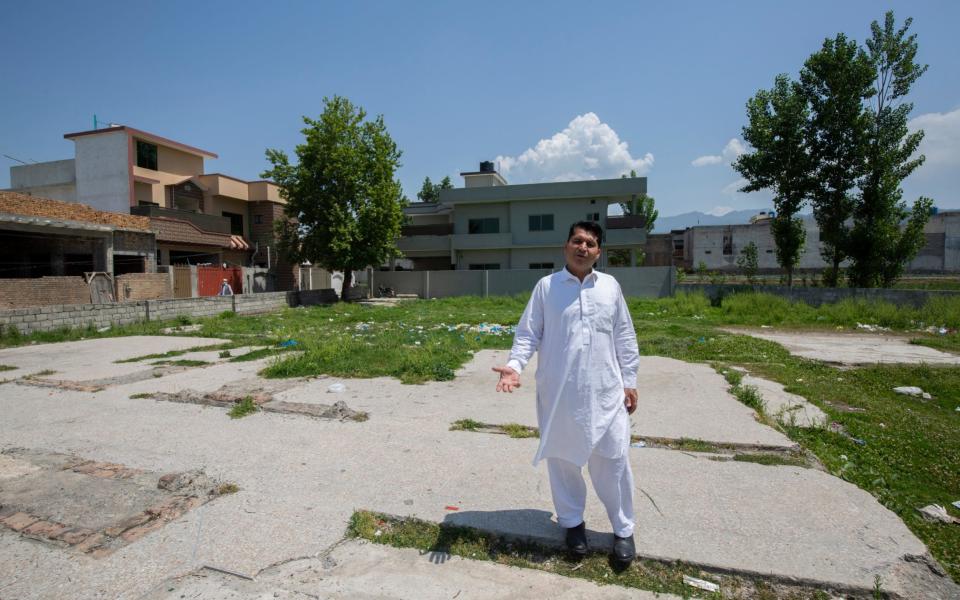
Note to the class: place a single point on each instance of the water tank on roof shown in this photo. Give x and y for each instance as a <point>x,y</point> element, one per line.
<point>487,167</point>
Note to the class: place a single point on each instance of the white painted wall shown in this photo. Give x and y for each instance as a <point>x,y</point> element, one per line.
<point>103,175</point>
<point>52,173</point>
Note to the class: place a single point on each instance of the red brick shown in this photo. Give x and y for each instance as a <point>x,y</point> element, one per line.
<point>91,542</point>
<point>47,529</point>
<point>74,535</point>
<point>134,534</point>
<point>19,521</point>
<point>135,520</point>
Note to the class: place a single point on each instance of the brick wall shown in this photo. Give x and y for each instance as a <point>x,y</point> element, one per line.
<point>286,277</point>
<point>48,318</point>
<point>43,291</point>
<point>22,204</point>
<point>143,286</point>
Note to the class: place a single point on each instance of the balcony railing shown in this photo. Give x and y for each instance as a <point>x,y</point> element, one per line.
<point>210,223</point>
<point>627,222</point>
<point>438,229</point>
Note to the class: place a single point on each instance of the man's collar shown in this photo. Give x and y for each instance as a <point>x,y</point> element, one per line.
<point>568,275</point>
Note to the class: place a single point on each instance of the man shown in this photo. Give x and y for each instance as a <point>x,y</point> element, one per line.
<point>586,388</point>
<point>225,288</point>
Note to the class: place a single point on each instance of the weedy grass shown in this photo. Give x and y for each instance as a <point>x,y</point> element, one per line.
<point>7,368</point>
<point>141,395</point>
<point>466,425</point>
<point>515,430</point>
<point>244,407</point>
<point>182,363</point>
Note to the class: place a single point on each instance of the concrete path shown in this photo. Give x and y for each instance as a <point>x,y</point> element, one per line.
<point>356,569</point>
<point>300,480</point>
<point>851,348</point>
<point>785,407</point>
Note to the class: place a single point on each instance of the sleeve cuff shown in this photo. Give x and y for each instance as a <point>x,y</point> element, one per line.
<point>630,383</point>
<point>515,365</point>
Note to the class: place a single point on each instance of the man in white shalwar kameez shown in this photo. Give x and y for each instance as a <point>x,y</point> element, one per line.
<point>578,321</point>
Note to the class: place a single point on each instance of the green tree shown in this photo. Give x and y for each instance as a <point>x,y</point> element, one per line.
<point>835,81</point>
<point>780,162</point>
<point>644,206</point>
<point>879,247</point>
<point>748,262</point>
<point>343,203</point>
<point>430,192</point>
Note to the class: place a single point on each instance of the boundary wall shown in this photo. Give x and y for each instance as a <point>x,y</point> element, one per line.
<point>815,296</point>
<point>648,282</point>
<point>49,318</point>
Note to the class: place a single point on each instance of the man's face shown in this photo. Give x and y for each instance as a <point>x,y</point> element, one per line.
<point>582,250</point>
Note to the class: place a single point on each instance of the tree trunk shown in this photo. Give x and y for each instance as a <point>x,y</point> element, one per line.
<point>347,282</point>
<point>790,276</point>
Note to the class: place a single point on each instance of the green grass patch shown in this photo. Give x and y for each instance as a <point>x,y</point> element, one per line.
<point>467,425</point>
<point>182,363</point>
<point>515,430</point>
<point>43,373</point>
<point>255,354</point>
<point>227,488</point>
<point>8,368</point>
<point>243,408</point>
<point>469,543</point>
<point>224,354</point>
<point>171,353</point>
<point>141,395</point>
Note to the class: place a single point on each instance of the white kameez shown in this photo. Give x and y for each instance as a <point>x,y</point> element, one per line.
<point>587,356</point>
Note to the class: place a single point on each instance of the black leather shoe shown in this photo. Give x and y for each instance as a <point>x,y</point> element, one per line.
<point>624,550</point>
<point>577,540</point>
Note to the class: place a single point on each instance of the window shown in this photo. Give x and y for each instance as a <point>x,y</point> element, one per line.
<point>541,265</point>
<point>236,222</point>
<point>484,225</point>
<point>541,222</point>
<point>146,155</point>
<point>727,244</point>
<point>484,266</point>
<point>258,219</point>
<point>595,217</point>
<point>708,252</point>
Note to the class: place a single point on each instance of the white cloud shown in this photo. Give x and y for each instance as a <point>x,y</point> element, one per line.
<point>941,140</point>
<point>719,211</point>
<point>730,152</point>
<point>587,149</point>
<point>734,188</point>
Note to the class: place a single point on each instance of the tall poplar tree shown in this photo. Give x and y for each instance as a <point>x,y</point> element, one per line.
<point>344,206</point>
<point>880,247</point>
<point>835,81</point>
<point>779,162</point>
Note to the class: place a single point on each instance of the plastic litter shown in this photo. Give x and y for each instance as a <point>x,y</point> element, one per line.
<point>102,329</point>
<point>912,390</point>
<point>336,388</point>
<point>288,344</point>
<point>640,444</point>
<point>702,584</point>
<point>448,507</point>
<point>858,441</point>
<point>956,504</point>
<point>935,512</point>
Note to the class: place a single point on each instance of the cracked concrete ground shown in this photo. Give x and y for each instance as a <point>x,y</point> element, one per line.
<point>300,480</point>
<point>848,348</point>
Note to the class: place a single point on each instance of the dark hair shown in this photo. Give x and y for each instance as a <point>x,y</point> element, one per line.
<point>590,227</point>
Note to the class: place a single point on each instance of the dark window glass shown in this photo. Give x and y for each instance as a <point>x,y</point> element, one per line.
<point>484,225</point>
<point>595,217</point>
<point>541,265</point>
<point>728,244</point>
<point>236,222</point>
<point>258,219</point>
<point>146,155</point>
<point>541,223</point>
<point>484,266</point>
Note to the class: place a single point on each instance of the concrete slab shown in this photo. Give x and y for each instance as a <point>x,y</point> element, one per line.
<point>93,359</point>
<point>300,479</point>
<point>786,407</point>
<point>356,569</point>
<point>851,348</point>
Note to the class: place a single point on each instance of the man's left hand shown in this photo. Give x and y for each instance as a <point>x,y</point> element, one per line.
<point>630,399</point>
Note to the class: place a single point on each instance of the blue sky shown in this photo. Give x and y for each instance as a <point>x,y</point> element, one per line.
<point>552,90</point>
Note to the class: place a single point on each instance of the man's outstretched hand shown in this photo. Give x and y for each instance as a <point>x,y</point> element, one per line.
<point>630,399</point>
<point>509,379</point>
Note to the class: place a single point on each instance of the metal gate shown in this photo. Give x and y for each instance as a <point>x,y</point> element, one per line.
<point>182,282</point>
<point>210,278</point>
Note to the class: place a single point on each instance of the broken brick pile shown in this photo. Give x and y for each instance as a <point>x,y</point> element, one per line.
<point>191,489</point>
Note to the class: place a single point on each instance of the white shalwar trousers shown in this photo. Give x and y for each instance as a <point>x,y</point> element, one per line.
<point>612,480</point>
